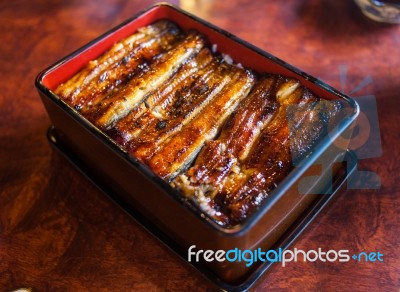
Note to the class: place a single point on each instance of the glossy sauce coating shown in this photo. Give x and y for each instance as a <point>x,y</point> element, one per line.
<point>221,134</point>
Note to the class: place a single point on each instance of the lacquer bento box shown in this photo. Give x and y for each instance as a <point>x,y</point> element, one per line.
<point>207,140</point>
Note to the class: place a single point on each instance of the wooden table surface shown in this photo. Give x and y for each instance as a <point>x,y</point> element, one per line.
<point>59,233</point>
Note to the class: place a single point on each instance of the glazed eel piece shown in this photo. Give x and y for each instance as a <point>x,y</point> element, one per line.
<point>218,157</point>
<point>155,107</point>
<point>180,150</point>
<point>117,106</point>
<point>301,121</point>
<point>118,74</point>
<point>188,103</point>
<point>96,68</point>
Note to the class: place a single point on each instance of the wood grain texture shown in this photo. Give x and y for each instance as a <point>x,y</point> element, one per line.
<point>59,233</point>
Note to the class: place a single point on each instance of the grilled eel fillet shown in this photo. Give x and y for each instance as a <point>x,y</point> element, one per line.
<point>229,186</point>
<point>117,106</point>
<point>155,108</point>
<point>178,151</point>
<point>118,74</point>
<point>147,42</point>
<point>187,104</point>
<point>219,156</point>
<point>164,96</point>
<point>301,121</point>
